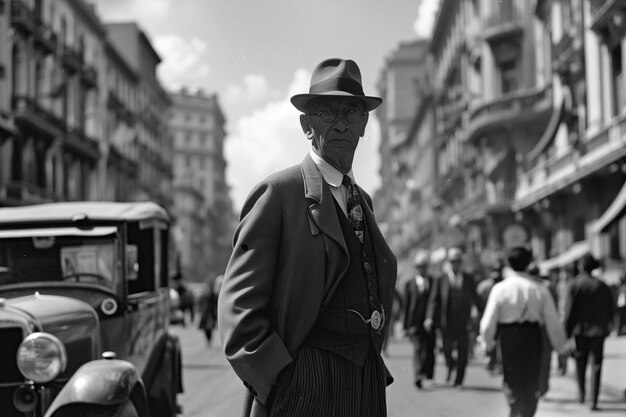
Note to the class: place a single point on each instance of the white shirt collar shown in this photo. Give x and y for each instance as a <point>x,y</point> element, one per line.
<point>331,174</point>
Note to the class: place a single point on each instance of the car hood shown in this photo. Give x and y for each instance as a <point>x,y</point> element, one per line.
<point>49,313</point>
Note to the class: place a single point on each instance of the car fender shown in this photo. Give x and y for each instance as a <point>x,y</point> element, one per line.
<point>103,382</point>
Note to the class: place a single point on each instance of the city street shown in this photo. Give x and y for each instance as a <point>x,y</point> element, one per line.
<point>213,390</point>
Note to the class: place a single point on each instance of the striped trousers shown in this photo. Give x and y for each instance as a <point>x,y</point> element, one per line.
<point>322,384</point>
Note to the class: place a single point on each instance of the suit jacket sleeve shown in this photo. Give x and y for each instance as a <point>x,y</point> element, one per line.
<point>432,310</point>
<point>251,344</point>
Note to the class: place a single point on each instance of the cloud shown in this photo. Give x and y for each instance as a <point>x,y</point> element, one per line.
<point>183,61</point>
<point>270,138</point>
<point>252,93</point>
<point>426,15</point>
<point>262,142</point>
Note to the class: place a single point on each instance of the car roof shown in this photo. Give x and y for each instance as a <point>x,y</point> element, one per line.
<point>83,210</point>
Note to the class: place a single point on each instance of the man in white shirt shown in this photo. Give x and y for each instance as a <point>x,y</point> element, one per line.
<point>516,309</point>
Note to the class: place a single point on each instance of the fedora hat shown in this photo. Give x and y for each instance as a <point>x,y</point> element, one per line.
<point>335,77</point>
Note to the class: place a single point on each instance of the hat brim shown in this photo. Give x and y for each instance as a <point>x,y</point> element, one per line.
<point>301,101</point>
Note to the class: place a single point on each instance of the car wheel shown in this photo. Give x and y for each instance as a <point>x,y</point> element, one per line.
<point>125,409</point>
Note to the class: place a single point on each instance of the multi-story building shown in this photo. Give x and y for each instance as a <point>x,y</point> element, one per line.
<point>403,85</point>
<point>493,100</point>
<point>154,139</point>
<point>7,128</point>
<point>82,114</point>
<point>56,48</point>
<point>530,140</point>
<point>202,206</point>
<point>573,183</point>
<point>459,182</point>
<point>512,102</point>
<point>119,165</point>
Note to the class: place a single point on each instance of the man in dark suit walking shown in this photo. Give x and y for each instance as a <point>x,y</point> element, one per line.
<point>589,313</point>
<point>450,307</point>
<point>416,292</point>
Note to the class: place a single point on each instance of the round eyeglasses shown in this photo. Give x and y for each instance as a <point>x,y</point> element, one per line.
<point>352,115</point>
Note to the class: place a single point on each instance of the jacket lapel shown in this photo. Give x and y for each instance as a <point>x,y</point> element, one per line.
<point>323,215</point>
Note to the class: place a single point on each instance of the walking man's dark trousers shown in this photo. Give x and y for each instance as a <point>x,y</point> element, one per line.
<point>521,363</point>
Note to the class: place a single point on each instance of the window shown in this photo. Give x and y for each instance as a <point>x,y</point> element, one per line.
<point>508,76</point>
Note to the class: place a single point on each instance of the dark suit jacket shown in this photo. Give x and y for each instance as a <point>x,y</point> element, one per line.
<point>589,307</point>
<point>289,255</point>
<point>438,302</point>
<point>415,304</point>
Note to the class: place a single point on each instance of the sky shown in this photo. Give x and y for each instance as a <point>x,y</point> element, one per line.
<point>256,54</point>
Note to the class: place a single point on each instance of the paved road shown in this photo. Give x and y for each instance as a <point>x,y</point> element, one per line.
<point>213,390</point>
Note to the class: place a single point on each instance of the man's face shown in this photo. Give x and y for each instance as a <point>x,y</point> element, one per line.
<point>335,125</point>
<point>456,265</point>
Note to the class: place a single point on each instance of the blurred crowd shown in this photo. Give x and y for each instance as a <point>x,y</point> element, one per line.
<point>439,306</point>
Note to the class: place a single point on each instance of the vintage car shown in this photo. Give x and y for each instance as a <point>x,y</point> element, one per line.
<point>84,311</point>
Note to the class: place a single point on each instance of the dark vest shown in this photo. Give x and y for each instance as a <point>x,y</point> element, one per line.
<point>339,330</point>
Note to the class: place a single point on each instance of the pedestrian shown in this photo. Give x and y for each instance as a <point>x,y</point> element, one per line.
<point>546,346</point>
<point>187,300</point>
<point>620,303</point>
<point>494,363</point>
<point>397,307</point>
<point>416,292</point>
<point>208,308</point>
<point>589,314</point>
<point>449,308</point>
<point>305,297</point>
<point>516,309</point>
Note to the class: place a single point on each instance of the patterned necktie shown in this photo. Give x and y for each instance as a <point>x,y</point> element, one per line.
<point>355,212</point>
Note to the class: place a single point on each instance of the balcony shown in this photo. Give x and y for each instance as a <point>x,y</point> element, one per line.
<point>28,112</point>
<point>504,25</point>
<point>22,18</point>
<point>511,111</point>
<point>45,39</point>
<point>72,59</point>
<point>556,172</point>
<point>89,76</point>
<point>77,141</point>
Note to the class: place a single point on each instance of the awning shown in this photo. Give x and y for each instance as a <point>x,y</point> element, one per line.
<point>574,253</point>
<point>613,213</point>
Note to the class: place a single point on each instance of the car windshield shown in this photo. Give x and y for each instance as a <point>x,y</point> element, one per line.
<point>59,255</point>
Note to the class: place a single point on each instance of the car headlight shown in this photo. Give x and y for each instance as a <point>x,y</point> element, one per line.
<point>41,357</point>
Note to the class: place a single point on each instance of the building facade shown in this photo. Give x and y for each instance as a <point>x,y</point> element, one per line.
<point>405,116</point>
<point>153,137</point>
<point>202,206</point>
<point>79,103</point>
<point>525,153</point>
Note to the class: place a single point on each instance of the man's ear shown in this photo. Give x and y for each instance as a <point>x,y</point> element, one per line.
<point>306,126</point>
<point>364,121</point>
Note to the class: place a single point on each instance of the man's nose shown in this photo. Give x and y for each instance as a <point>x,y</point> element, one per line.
<point>341,123</point>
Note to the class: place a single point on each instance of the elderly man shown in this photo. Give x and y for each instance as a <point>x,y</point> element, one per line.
<point>303,307</point>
